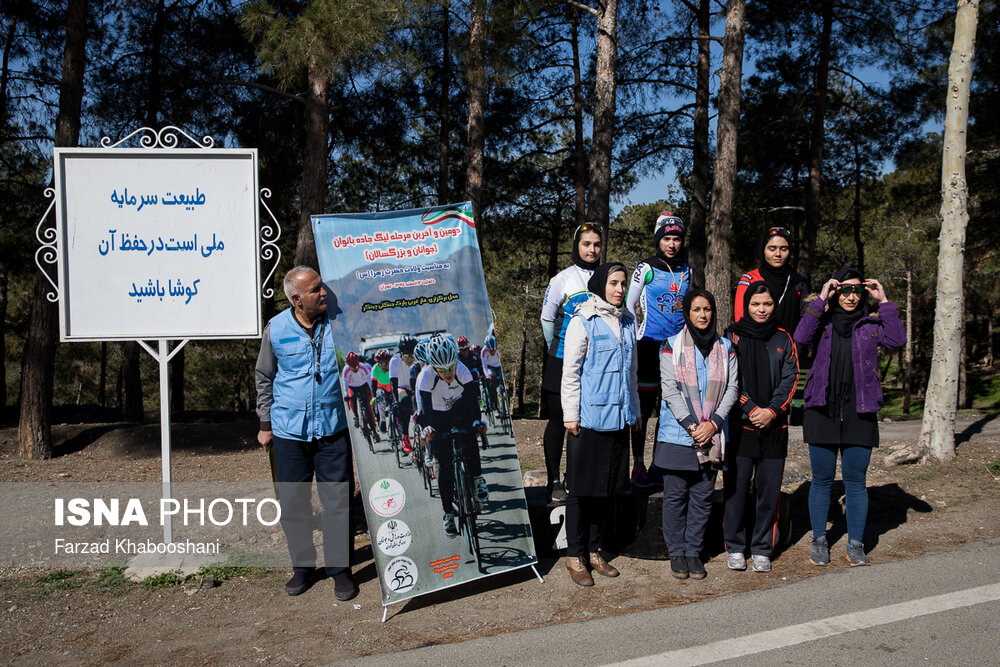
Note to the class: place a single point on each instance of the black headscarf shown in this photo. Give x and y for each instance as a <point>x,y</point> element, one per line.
<point>598,282</point>
<point>840,390</point>
<point>588,266</point>
<point>703,339</point>
<point>751,349</point>
<point>843,321</point>
<point>782,282</point>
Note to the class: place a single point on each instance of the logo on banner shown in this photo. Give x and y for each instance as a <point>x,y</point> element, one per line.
<point>393,537</point>
<point>387,497</point>
<point>400,574</point>
<point>433,217</point>
<point>446,566</point>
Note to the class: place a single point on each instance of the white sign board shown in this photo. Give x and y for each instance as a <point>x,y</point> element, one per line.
<point>157,243</point>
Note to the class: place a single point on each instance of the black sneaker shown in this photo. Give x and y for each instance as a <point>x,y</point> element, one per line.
<point>696,568</point>
<point>300,581</point>
<point>559,494</point>
<point>679,567</point>
<point>344,587</point>
<point>820,554</point>
<point>856,553</point>
<point>449,525</point>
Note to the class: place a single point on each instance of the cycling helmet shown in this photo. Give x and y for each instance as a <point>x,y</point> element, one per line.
<point>476,349</point>
<point>441,351</point>
<point>352,358</point>
<point>490,343</point>
<point>421,352</point>
<point>463,342</point>
<point>407,344</point>
<point>382,355</point>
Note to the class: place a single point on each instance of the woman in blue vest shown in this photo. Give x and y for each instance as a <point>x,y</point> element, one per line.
<point>698,378</point>
<point>599,401</point>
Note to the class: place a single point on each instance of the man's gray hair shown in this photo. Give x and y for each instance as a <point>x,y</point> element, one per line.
<point>291,282</point>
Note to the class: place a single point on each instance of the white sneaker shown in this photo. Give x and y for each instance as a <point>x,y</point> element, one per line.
<point>736,561</point>
<point>761,563</point>
<point>482,491</point>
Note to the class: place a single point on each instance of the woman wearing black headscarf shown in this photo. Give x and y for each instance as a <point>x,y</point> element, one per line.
<point>600,402</point>
<point>842,397</point>
<point>698,379</point>
<point>777,270</point>
<point>565,292</point>
<point>768,370</point>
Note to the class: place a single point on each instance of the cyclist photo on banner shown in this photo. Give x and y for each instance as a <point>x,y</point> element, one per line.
<point>451,421</point>
<point>432,428</point>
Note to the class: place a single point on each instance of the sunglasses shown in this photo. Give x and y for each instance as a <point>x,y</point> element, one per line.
<point>779,231</point>
<point>849,289</point>
<point>589,227</point>
<point>446,368</point>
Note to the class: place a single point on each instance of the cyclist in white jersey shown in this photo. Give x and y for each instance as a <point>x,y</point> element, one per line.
<point>402,390</point>
<point>565,292</point>
<point>447,401</point>
<point>356,378</point>
<point>490,357</point>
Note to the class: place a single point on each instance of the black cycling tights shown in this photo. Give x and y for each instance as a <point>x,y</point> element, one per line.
<point>555,435</point>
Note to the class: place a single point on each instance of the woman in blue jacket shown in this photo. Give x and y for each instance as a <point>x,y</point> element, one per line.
<point>698,375</point>
<point>600,401</point>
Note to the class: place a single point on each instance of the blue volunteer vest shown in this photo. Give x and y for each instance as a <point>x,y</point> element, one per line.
<point>303,408</point>
<point>664,303</point>
<point>670,429</point>
<point>605,394</point>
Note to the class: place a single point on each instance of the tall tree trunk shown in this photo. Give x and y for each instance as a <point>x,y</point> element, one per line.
<point>34,430</point>
<point>807,254</point>
<point>700,166</point>
<point>444,118</point>
<point>476,132</point>
<point>132,409</point>
<point>3,337</point>
<point>908,373</point>
<point>579,156</point>
<point>522,361</point>
<point>858,243</point>
<point>719,264</point>
<point>102,383</point>
<point>963,360</point>
<point>937,432</point>
<point>553,265</point>
<point>602,142</point>
<point>313,162</point>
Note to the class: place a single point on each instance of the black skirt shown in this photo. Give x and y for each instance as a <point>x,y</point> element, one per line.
<point>597,462</point>
<point>819,427</point>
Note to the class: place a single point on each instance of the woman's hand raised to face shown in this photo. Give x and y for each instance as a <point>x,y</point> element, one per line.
<point>875,288</point>
<point>829,288</point>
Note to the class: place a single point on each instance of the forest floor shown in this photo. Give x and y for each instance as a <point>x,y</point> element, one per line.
<point>94,617</point>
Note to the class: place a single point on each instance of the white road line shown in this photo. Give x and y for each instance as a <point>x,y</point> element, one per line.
<point>820,629</point>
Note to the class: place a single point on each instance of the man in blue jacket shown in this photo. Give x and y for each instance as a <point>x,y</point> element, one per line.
<point>302,417</point>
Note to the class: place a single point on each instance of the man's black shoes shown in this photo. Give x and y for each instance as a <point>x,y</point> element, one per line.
<point>344,587</point>
<point>300,581</point>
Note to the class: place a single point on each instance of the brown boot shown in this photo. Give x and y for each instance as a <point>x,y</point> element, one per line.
<point>601,566</point>
<point>578,571</point>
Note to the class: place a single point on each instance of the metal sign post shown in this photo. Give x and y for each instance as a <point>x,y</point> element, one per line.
<point>131,265</point>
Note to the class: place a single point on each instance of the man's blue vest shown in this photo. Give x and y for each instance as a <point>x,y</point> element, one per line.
<point>304,408</point>
<point>605,392</point>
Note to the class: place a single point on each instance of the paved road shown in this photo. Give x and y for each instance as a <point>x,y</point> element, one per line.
<point>940,609</point>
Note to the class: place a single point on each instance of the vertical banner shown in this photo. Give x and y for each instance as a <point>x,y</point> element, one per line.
<point>417,273</point>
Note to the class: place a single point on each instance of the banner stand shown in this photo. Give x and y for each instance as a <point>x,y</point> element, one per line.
<point>385,607</point>
<point>49,253</point>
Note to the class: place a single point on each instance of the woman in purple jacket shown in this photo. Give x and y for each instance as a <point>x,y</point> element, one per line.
<point>842,397</point>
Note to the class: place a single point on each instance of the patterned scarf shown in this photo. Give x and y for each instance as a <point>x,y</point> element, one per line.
<point>686,372</point>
